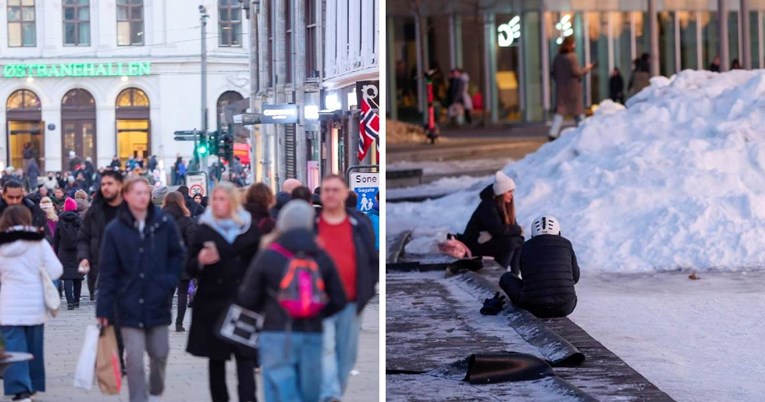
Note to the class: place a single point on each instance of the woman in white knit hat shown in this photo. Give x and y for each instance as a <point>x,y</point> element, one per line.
<point>492,229</point>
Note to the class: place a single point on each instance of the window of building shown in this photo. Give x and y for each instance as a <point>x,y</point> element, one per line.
<point>130,26</point>
<point>21,23</point>
<point>288,41</point>
<point>311,63</point>
<point>78,125</point>
<point>229,23</point>
<point>76,22</point>
<point>133,124</point>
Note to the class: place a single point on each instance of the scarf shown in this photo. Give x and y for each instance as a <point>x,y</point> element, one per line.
<point>228,228</point>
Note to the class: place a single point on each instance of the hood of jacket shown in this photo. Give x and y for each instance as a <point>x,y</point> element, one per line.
<point>10,246</point>
<point>297,240</point>
<point>69,216</point>
<point>487,193</point>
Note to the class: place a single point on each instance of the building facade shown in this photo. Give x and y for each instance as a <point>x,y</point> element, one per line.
<point>311,53</point>
<point>507,47</point>
<point>114,77</point>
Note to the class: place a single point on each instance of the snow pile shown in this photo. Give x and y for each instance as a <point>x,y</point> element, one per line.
<point>676,180</point>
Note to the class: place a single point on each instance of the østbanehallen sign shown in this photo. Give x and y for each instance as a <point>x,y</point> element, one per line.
<point>111,69</point>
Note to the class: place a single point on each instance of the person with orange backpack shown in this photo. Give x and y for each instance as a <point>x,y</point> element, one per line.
<point>295,285</point>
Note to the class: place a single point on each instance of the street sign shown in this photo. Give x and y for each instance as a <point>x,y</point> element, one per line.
<point>366,186</point>
<point>197,183</point>
<point>176,138</point>
<point>279,114</point>
<point>186,133</point>
<point>247,118</point>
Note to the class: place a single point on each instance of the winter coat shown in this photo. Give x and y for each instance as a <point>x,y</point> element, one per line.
<point>65,243</point>
<point>568,84</point>
<point>467,100</point>
<point>217,285</point>
<point>186,227</point>
<point>487,218</point>
<point>22,253</point>
<point>193,207</point>
<point>265,274</point>
<point>116,164</point>
<point>93,227</point>
<point>51,184</point>
<point>139,271</point>
<point>38,215</point>
<point>261,218</point>
<point>367,258</point>
<point>549,270</point>
<point>374,216</point>
<point>616,88</point>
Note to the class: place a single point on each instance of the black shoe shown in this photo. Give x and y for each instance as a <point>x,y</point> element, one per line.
<point>70,306</point>
<point>25,397</point>
<point>92,297</point>
<point>179,328</point>
<point>77,305</point>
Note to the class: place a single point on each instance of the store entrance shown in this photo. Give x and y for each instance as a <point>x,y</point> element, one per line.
<point>20,134</point>
<point>132,139</point>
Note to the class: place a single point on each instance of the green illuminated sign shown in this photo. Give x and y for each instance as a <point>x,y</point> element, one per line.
<point>133,68</point>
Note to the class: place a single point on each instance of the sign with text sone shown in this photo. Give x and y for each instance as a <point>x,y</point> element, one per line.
<point>366,186</point>
<point>279,114</point>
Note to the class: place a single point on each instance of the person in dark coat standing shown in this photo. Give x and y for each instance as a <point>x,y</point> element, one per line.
<point>65,246</point>
<point>258,201</point>
<point>116,163</point>
<point>347,236</point>
<point>223,246</point>
<point>616,86</point>
<point>492,229</point>
<point>290,349</point>
<point>33,172</point>
<point>175,206</point>
<point>13,194</point>
<point>567,75</point>
<point>549,269</point>
<point>141,260</point>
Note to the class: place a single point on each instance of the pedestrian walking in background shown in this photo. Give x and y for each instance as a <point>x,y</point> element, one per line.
<point>567,75</point>
<point>81,199</point>
<point>23,253</point>
<point>284,196</point>
<point>224,244</point>
<point>258,202</point>
<point>65,246</point>
<point>196,209</point>
<point>492,229</point>
<point>715,65</point>
<point>290,348</point>
<point>641,75</point>
<point>348,238</point>
<point>140,266</point>
<point>33,172</point>
<point>302,193</point>
<point>175,206</point>
<point>51,216</point>
<point>467,100</point>
<point>616,86</point>
<point>13,194</point>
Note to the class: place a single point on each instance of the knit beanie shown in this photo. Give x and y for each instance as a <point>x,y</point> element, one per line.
<point>502,183</point>
<point>158,194</point>
<point>296,214</point>
<point>70,204</point>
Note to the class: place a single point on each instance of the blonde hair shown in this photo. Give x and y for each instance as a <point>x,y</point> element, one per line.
<point>49,208</point>
<point>234,199</point>
<point>81,194</point>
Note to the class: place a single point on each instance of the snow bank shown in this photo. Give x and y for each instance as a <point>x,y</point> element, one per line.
<point>676,180</point>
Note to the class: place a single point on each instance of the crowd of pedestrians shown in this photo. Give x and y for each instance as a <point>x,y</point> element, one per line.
<point>138,245</point>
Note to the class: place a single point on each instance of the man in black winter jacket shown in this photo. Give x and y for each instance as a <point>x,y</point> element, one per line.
<point>550,271</point>
<point>13,194</point>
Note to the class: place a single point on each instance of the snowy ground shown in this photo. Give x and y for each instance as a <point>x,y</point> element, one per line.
<point>697,340</point>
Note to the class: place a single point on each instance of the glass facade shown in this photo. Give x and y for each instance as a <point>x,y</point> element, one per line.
<point>517,57</point>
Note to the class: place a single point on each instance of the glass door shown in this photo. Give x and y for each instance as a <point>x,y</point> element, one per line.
<point>78,137</point>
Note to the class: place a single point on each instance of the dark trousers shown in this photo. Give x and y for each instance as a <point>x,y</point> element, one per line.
<point>245,371</point>
<point>504,251</point>
<point>72,288</point>
<point>183,301</point>
<point>512,285</point>
<point>92,281</point>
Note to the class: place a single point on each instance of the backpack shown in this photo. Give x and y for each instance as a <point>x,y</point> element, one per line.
<point>301,290</point>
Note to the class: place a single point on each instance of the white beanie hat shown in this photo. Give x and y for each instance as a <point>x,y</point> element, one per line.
<point>502,183</point>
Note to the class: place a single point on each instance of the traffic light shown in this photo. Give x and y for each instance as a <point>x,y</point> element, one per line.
<point>213,142</point>
<point>203,147</point>
<point>228,147</point>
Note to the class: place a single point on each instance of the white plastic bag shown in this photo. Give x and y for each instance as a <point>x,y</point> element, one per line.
<point>84,373</point>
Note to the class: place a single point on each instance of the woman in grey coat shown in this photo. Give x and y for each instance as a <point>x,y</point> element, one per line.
<point>568,85</point>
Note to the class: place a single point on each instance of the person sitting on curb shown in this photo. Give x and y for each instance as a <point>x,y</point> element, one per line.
<point>549,270</point>
<point>492,229</point>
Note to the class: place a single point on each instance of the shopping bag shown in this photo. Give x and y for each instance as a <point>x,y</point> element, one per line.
<point>50,293</point>
<point>84,373</point>
<point>240,326</point>
<point>108,372</point>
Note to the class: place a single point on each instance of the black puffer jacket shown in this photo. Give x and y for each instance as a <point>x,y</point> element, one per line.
<point>65,243</point>
<point>265,273</point>
<point>549,270</point>
<point>93,227</point>
<point>186,227</point>
<point>38,215</point>
<point>282,198</point>
<point>487,218</point>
